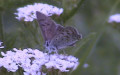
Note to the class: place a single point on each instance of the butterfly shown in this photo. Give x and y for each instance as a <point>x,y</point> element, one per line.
<point>55,35</point>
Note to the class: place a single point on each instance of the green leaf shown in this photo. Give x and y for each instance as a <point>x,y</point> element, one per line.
<point>1,28</point>
<point>87,45</point>
<point>9,29</point>
<point>83,42</point>
<point>114,35</point>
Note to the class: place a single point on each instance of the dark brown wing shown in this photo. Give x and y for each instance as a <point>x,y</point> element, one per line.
<point>47,25</point>
<point>59,29</point>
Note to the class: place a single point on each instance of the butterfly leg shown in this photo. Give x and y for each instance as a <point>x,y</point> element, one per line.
<point>54,50</point>
<point>45,50</point>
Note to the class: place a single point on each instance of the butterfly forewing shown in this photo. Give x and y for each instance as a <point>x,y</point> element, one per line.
<point>47,25</point>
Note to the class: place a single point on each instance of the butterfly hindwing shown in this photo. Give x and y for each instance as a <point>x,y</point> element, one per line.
<point>67,37</point>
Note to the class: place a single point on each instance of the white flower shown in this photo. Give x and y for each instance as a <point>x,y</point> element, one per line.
<point>1,45</point>
<point>32,61</point>
<point>34,73</point>
<point>9,64</point>
<point>28,13</point>
<point>114,18</point>
<point>62,62</point>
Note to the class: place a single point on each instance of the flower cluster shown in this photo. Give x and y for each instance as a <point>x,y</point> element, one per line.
<point>114,18</point>
<point>32,61</point>
<point>28,13</point>
<point>1,45</point>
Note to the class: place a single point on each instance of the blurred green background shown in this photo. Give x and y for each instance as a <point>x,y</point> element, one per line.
<point>100,46</point>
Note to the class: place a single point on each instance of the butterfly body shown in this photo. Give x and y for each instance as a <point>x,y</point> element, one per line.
<point>56,36</point>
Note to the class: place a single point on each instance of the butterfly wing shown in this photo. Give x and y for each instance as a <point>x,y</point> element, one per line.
<point>74,33</point>
<point>67,37</point>
<point>47,25</point>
